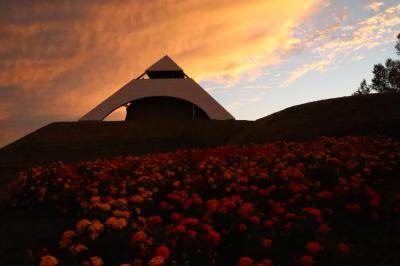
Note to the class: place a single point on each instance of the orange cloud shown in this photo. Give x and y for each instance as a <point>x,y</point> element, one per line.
<point>66,57</point>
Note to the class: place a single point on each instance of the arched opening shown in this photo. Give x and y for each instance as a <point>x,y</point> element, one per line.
<point>164,108</point>
<point>118,114</point>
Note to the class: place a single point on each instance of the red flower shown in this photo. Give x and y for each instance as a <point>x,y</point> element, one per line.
<point>180,228</point>
<point>352,207</point>
<point>267,262</point>
<point>214,236</point>
<point>324,229</point>
<point>267,243</point>
<point>245,261</point>
<point>313,211</point>
<point>306,260</point>
<point>268,223</point>
<point>212,205</point>
<point>176,216</point>
<point>163,251</point>
<point>191,233</point>
<point>343,248</point>
<point>374,202</point>
<point>139,236</point>
<point>313,247</point>
<point>242,227</point>
<point>254,219</point>
<point>154,219</point>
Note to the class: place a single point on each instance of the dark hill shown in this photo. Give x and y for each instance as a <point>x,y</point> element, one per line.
<point>375,114</point>
<point>76,141</point>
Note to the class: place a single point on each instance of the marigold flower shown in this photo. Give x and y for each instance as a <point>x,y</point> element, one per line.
<point>139,236</point>
<point>266,262</point>
<point>163,251</point>
<point>78,248</point>
<point>95,227</point>
<point>313,247</point>
<point>156,261</point>
<point>191,233</point>
<point>67,238</point>
<point>242,227</point>
<point>214,236</point>
<point>121,214</point>
<point>343,248</point>
<point>82,224</point>
<point>268,223</point>
<point>352,207</point>
<point>324,229</point>
<point>48,261</point>
<point>245,261</point>
<point>115,223</point>
<point>313,211</point>
<point>95,199</point>
<point>254,219</point>
<point>306,260</point>
<point>154,219</point>
<point>212,205</point>
<point>96,261</point>
<point>267,243</point>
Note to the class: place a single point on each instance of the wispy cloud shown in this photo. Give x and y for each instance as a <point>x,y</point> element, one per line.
<point>371,32</point>
<point>374,6</point>
<point>301,71</point>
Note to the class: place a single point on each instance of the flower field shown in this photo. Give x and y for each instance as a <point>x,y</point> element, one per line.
<point>332,201</point>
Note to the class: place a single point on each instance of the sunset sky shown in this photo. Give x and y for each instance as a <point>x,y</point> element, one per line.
<point>58,59</point>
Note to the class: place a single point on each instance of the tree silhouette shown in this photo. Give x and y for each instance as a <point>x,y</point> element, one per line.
<point>386,77</point>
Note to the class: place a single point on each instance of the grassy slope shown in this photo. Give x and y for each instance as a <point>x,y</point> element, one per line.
<point>362,115</point>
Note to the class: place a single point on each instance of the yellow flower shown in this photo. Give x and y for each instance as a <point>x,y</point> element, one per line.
<point>96,261</point>
<point>48,261</point>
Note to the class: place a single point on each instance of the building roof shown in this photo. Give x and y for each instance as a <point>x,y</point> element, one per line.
<point>164,64</point>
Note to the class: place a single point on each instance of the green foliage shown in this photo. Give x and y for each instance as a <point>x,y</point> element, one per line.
<point>386,77</point>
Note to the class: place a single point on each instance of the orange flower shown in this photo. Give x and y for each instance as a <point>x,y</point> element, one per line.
<point>78,248</point>
<point>96,261</point>
<point>163,251</point>
<point>82,224</point>
<point>313,247</point>
<point>67,238</point>
<point>48,261</point>
<point>139,236</point>
<point>156,261</point>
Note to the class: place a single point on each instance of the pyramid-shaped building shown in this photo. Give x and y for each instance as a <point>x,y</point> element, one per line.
<point>162,92</point>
